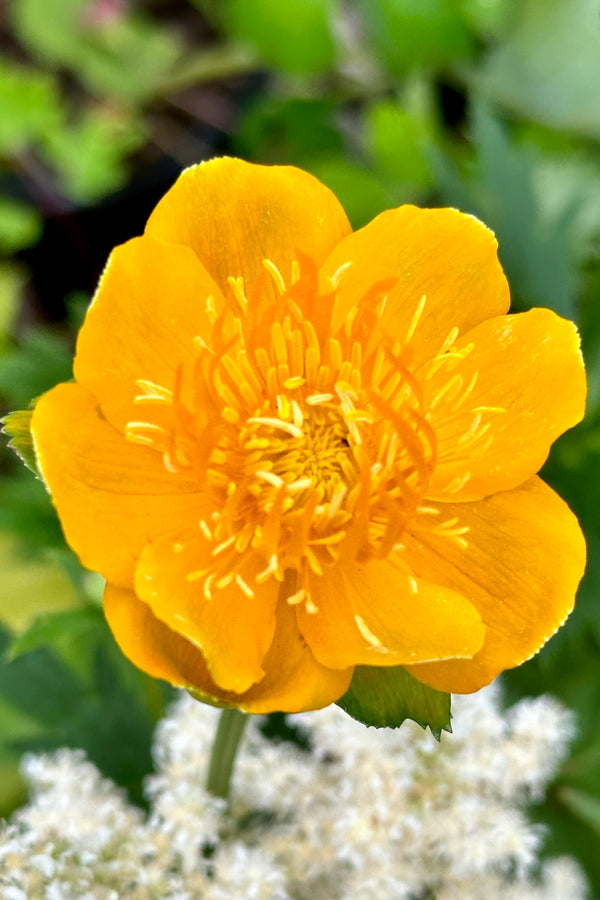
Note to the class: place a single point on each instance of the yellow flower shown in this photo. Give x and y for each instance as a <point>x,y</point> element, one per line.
<point>292,449</point>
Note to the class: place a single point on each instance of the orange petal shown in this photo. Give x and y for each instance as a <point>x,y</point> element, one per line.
<point>153,647</point>
<point>440,254</point>
<point>149,307</point>
<point>524,558</point>
<point>235,214</point>
<point>232,623</point>
<point>294,680</point>
<point>379,615</point>
<point>111,495</point>
<point>497,429</point>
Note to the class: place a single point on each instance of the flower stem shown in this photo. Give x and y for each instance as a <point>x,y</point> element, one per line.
<point>222,758</point>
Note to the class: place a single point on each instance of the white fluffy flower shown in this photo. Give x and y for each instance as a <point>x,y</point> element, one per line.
<point>365,815</point>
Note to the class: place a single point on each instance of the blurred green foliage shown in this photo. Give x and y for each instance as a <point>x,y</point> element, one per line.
<point>487,105</point>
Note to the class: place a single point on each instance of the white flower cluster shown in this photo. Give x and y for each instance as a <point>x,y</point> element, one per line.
<point>365,815</point>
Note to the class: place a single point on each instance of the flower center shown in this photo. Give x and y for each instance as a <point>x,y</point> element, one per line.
<point>313,446</point>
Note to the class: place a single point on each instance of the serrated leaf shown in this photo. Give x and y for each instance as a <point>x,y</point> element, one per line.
<point>17,425</point>
<point>386,697</point>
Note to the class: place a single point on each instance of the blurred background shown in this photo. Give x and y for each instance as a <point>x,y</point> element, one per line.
<point>492,106</point>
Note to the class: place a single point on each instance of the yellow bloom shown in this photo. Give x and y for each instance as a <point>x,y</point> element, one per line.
<point>292,449</point>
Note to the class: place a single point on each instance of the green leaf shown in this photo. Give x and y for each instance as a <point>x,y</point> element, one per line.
<point>20,225</point>
<point>29,107</point>
<point>294,36</point>
<point>36,364</point>
<point>386,697</point>
<point>126,58</point>
<point>397,145</point>
<point>17,425</point>
<point>52,629</point>
<point>360,191</point>
<point>583,805</point>
<point>31,586</point>
<point>549,67</point>
<point>534,248</point>
<point>275,129</point>
<point>535,253</point>
<point>90,155</point>
<point>12,280</point>
<point>409,34</point>
<point>98,701</point>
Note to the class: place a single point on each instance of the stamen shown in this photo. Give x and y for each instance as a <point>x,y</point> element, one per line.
<point>302,484</point>
<point>297,415</point>
<point>195,576</point>
<point>311,607</point>
<point>471,432</point>
<point>368,635</point>
<point>275,274</point>
<point>454,486</point>
<point>336,277</point>
<point>224,545</point>
<point>244,586</point>
<point>224,582</point>
<point>169,464</point>
<point>205,530</point>
<point>273,479</point>
<point>152,392</point>
<point>452,335</point>
<point>296,598</point>
<point>318,399</point>
<point>277,423</point>
<point>271,569</point>
<point>295,382</point>
<point>211,309</point>
<point>416,318</point>
<point>237,286</point>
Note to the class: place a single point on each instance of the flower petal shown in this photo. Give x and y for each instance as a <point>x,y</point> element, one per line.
<point>529,388</point>
<point>521,566</point>
<point>111,495</point>
<point>232,623</point>
<point>294,680</point>
<point>149,307</point>
<point>153,647</point>
<point>379,615</point>
<point>440,254</point>
<point>234,215</point>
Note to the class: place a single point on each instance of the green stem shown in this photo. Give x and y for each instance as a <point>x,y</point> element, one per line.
<point>227,739</point>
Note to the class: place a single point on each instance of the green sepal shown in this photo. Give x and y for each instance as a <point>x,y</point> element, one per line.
<point>386,697</point>
<point>17,425</point>
<point>208,699</point>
